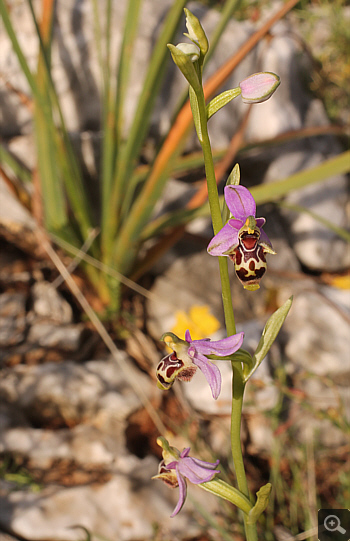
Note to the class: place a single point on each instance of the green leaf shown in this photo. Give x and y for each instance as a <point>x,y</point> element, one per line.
<point>234,177</point>
<point>269,334</point>
<point>113,107</point>
<point>263,496</point>
<point>222,99</point>
<point>17,48</point>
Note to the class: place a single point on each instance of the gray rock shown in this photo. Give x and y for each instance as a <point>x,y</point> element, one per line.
<point>49,304</point>
<point>324,397</point>
<point>50,335</point>
<point>12,318</point>
<point>128,506</point>
<point>16,224</point>
<point>316,246</point>
<point>65,394</point>
<point>85,445</point>
<point>318,337</point>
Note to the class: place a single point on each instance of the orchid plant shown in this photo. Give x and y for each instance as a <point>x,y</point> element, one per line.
<point>239,236</point>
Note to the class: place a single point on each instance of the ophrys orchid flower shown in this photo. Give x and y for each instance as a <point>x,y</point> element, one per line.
<point>188,355</point>
<point>176,467</point>
<point>242,239</point>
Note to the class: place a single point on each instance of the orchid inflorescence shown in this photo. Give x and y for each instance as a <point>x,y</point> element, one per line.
<point>240,238</point>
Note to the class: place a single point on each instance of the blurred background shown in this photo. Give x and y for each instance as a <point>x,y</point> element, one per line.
<point>104,225</point>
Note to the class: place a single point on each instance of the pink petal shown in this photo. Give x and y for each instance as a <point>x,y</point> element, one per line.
<point>204,464</point>
<point>211,372</point>
<point>197,471</point>
<point>264,238</point>
<point>240,202</point>
<point>260,222</point>
<point>224,241</point>
<point>185,452</point>
<point>188,336</point>
<point>223,347</point>
<point>182,493</point>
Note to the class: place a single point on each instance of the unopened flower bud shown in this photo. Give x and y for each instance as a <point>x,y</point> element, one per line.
<point>196,32</point>
<point>190,49</point>
<point>259,87</point>
<point>184,55</point>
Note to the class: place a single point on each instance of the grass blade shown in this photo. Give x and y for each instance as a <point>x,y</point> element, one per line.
<point>275,190</point>
<point>51,185</point>
<point>128,155</point>
<point>20,171</point>
<point>18,50</point>
<point>67,167</point>
<point>264,193</point>
<point>340,231</point>
<point>114,106</point>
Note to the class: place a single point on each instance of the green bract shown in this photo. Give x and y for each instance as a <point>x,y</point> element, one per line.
<point>269,334</point>
<point>185,62</point>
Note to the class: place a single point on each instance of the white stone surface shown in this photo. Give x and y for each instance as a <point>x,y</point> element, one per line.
<point>318,336</point>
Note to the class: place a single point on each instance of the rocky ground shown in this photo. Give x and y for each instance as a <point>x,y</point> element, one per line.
<point>77,446</point>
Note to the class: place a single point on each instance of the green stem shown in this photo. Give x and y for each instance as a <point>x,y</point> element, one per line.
<point>200,118</point>
<point>236,448</point>
<point>215,211</point>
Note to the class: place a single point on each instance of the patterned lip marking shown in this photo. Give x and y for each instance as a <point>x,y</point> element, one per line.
<point>250,265</point>
<point>173,368</point>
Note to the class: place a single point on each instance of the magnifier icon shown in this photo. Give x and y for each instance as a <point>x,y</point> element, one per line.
<point>332,524</point>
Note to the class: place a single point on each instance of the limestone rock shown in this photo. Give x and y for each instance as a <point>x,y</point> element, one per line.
<point>49,304</point>
<point>318,337</point>
<point>125,508</point>
<point>66,394</point>
<point>50,335</point>
<point>12,318</point>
